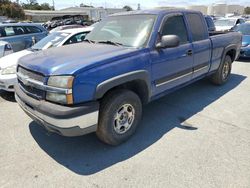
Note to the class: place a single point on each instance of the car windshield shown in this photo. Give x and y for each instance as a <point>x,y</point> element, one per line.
<point>224,22</point>
<point>129,30</point>
<point>52,40</point>
<point>244,29</point>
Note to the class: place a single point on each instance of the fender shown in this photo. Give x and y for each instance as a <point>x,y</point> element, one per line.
<point>105,86</point>
<point>227,49</point>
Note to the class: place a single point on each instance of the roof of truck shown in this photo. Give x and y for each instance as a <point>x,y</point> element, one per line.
<point>155,11</point>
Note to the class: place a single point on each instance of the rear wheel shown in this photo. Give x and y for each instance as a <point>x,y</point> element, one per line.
<point>223,73</point>
<point>120,114</point>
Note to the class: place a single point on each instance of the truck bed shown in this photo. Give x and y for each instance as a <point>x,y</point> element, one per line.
<point>220,41</point>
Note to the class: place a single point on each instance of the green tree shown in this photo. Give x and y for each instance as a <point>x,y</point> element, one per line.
<point>46,6</point>
<point>127,8</point>
<point>33,5</point>
<point>247,10</point>
<point>10,9</point>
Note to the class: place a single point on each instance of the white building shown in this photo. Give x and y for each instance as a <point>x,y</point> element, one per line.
<point>222,9</point>
<point>200,8</point>
<point>235,9</point>
<point>88,13</point>
<point>95,13</point>
<point>46,15</point>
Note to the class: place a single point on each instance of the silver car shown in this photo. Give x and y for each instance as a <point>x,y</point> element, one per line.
<point>5,48</point>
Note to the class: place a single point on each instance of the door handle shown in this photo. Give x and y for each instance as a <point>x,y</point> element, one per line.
<point>190,52</point>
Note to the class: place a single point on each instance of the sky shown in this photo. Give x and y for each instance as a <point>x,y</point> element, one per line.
<point>59,4</point>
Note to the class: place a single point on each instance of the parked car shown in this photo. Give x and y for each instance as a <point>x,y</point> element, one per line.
<point>64,20</point>
<point>101,84</point>
<point>22,35</point>
<point>210,23</point>
<point>61,28</point>
<point>227,24</point>
<point>5,48</point>
<point>244,29</point>
<point>56,39</point>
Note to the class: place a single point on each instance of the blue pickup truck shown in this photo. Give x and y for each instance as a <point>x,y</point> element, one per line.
<point>128,60</point>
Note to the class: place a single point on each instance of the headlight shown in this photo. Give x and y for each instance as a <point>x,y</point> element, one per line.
<point>9,70</point>
<point>62,82</point>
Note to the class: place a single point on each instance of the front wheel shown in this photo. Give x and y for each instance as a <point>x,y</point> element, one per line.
<point>120,114</point>
<point>223,73</point>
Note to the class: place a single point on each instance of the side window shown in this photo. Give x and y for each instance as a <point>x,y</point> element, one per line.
<point>175,25</point>
<point>9,31</point>
<point>1,32</point>
<point>197,27</point>
<point>33,29</point>
<point>76,38</point>
<point>18,30</point>
<point>210,22</point>
<point>238,22</point>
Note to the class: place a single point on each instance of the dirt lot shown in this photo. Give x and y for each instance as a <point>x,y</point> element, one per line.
<point>198,136</point>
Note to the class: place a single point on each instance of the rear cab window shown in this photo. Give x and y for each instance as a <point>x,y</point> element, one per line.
<point>197,27</point>
<point>210,22</point>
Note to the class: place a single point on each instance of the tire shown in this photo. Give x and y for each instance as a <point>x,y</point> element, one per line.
<point>223,73</point>
<point>120,114</point>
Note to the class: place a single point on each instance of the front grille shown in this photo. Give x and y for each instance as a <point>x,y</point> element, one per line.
<point>30,90</point>
<point>31,74</point>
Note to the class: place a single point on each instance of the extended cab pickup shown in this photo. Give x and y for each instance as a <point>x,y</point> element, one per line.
<point>128,60</point>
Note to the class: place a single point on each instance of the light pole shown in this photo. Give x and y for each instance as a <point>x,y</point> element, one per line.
<point>53,4</point>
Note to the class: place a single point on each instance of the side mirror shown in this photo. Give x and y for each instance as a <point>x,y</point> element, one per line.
<point>168,41</point>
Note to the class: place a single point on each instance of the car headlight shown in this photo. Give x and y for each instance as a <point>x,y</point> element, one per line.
<point>9,70</point>
<point>61,82</point>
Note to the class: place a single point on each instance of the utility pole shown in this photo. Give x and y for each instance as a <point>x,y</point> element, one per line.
<point>53,4</point>
<point>139,7</point>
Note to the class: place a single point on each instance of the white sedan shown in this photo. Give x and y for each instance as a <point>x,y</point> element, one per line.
<point>5,48</point>
<point>56,39</point>
<point>226,24</point>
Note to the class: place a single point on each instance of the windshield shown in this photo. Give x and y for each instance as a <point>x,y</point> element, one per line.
<point>244,29</point>
<point>52,40</point>
<point>224,22</point>
<point>129,30</point>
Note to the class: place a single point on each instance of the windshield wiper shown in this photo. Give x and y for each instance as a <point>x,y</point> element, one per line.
<point>35,49</point>
<point>110,42</point>
<point>89,41</point>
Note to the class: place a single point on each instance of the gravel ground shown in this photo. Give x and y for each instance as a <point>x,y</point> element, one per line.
<point>198,136</point>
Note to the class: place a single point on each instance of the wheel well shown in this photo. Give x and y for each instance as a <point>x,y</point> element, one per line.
<point>232,54</point>
<point>137,86</point>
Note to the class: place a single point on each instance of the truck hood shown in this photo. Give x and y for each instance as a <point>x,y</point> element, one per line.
<point>245,40</point>
<point>68,60</point>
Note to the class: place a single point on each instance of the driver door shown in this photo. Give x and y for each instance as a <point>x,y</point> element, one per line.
<point>172,66</point>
